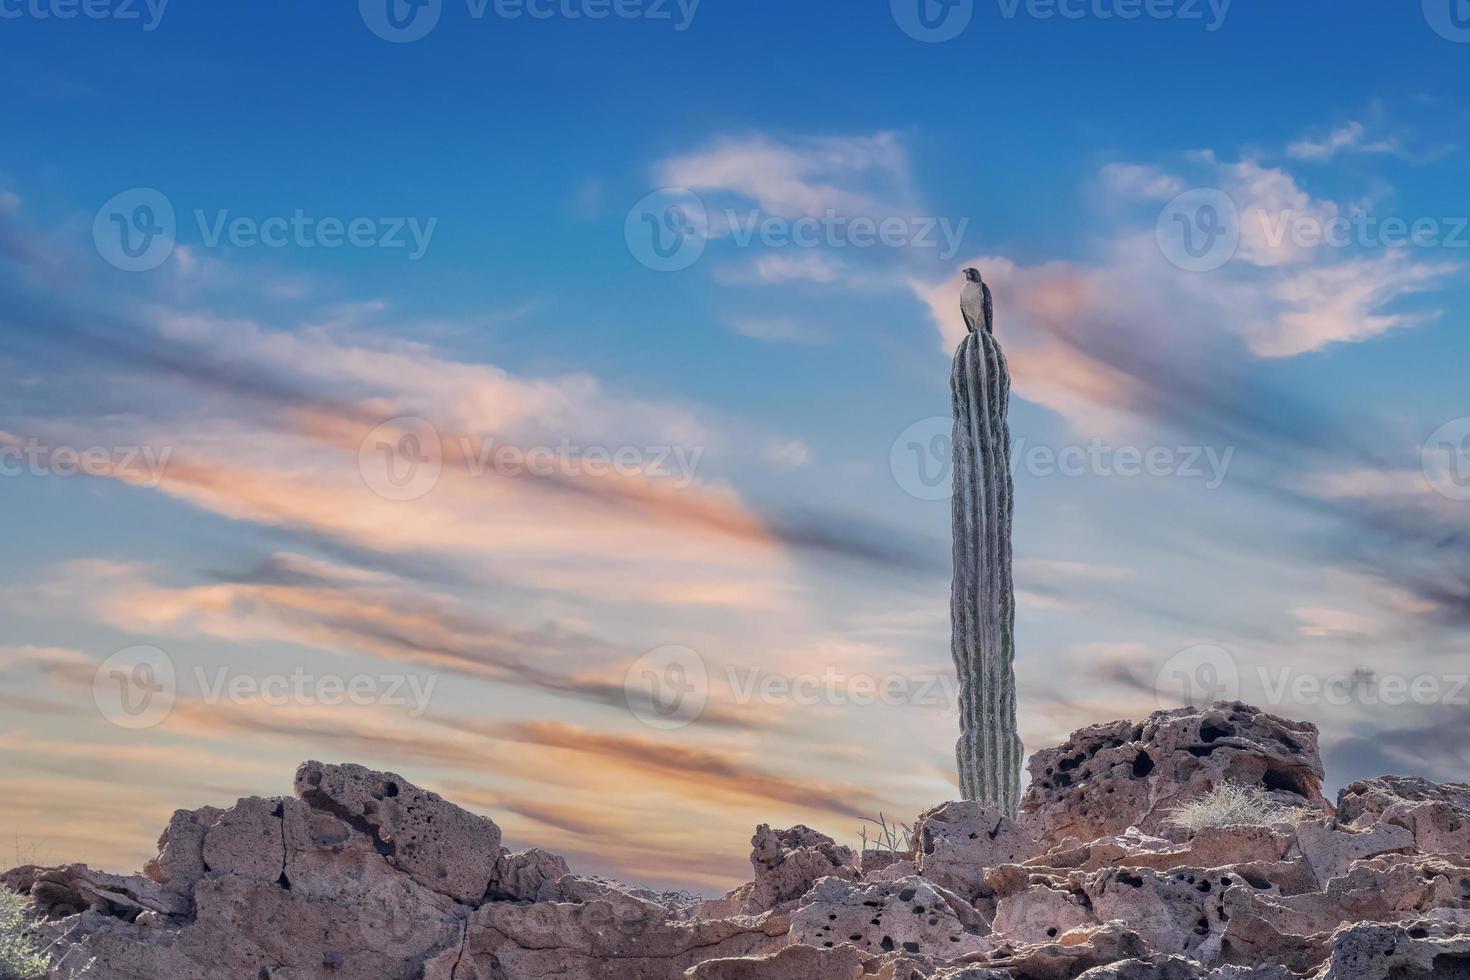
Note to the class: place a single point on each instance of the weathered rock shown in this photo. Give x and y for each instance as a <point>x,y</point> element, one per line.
<point>788,862</point>
<point>1110,777</point>
<point>791,963</point>
<point>616,937</point>
<point>911,915</point>
<point>1438,815</point>
<point>180,860</point>
<point>522,875</point>
<point>580,889</point>
<point>875,859</point>
<point>894,872</point>
<point>958,842</point>
<point>248,840</point>
<point>1072,953</point>
<point>1182,968</point>
<point>438,844</point>
<point>1212,847</point>
<point>1330,849</point>
<point>1424,950</point>
<point>72,889</point>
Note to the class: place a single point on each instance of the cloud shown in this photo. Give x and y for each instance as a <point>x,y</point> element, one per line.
<point>788,454</point>
<point>1349,138</point>
<point>775,330</point>
<point>1128,337</point>
<point>861,175</point>
<point>808,267</point>
<point>1141,182</point>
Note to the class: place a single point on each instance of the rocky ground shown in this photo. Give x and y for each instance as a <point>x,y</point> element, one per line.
<point>364,876</point>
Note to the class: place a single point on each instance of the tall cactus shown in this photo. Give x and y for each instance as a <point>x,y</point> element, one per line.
<point>982,600</point>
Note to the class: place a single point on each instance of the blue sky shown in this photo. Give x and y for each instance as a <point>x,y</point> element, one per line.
<point>1297,523</point>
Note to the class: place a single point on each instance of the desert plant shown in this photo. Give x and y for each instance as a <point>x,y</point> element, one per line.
<point>22,957</point>
<point>1230,803</point>
<point>896,838</point>
<point>982,599</point>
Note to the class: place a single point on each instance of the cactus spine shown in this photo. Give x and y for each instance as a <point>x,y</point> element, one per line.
<point>982,600</point>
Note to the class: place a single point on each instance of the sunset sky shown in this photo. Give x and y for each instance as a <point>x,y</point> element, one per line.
<point>262,257</point>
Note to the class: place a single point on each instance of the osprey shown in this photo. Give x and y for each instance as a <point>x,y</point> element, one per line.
<point>976,304</point>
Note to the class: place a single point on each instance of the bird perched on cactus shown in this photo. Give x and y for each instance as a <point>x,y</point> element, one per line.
<point>976,305</point>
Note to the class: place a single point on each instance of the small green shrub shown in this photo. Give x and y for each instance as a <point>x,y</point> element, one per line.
<point>1230,803</point>
<point>24,956</point>
<point>21,956</point>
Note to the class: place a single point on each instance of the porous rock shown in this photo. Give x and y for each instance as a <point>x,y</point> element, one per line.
<point>1110,777</point>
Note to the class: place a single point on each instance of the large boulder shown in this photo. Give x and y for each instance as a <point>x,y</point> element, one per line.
<point>958,842</point>
<point>1437,814</point>
<point>911,915</point>
<point>1428,949</point>
<point>616,936</point>
<point>1110,777</point>
<point>788,862</point>
<point>438,844</point>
